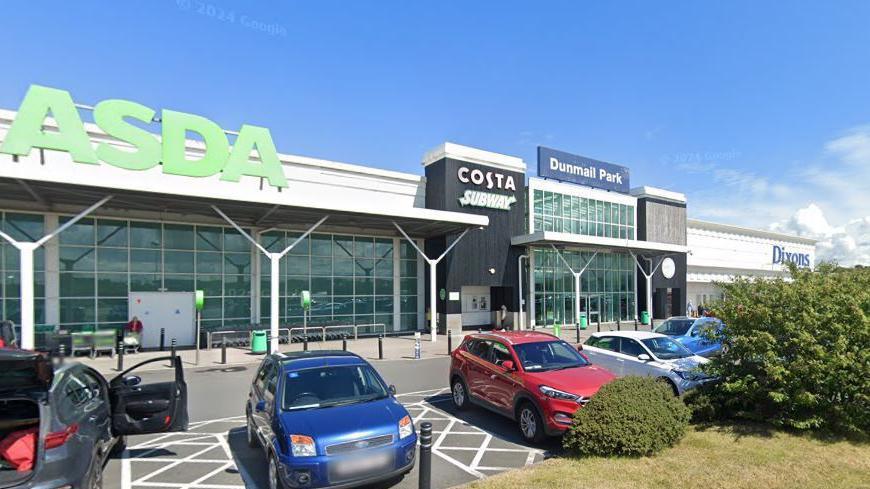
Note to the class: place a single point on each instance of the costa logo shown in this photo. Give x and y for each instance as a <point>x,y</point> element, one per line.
<point>486,179</point>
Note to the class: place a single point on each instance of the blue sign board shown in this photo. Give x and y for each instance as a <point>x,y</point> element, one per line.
<point>566,167</point>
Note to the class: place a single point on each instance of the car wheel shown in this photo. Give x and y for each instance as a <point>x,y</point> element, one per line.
<point>460,394</point>
<point>670,383</point>
<point>274,480</point>
<point>251,435</point>
<point>531,425</point>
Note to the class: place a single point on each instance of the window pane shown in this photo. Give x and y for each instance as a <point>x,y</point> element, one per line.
<point>145,235</point>
<point>273,241</point>
<point>111,233</point>
<point>343,305</point>
<point>343,286</point>
<point>384,248</point>
<point>364,267</point>
<point>343,246</point>
<point>145,261</point>
<point>302,247</point>
<point>211,285</point>
<point>408,268</point>
<point>80,233</point>
<point>111,310</point>
<point>321,266</point>
<point>178,283</point>
<point>384,286</point>
<point>384,305</point>
<point>321,286</point>
<point>297,265</point>
<point>24,227</point>
<point>409,303</point>
<point>77,284</point>
<point>76,259</point>
<point>207,262</point>
<point>295,285</point>
<point>408,286</point>
<point>238,285</point>
<point>237,263</point>
<point>237,308</point>
<point>364,247</point>
<point>364,305</point>
<point>364,286</point>
<point>343,267</point>
<point>234,241</point>
<point>321,244</point>
<point>144,282</point>
<point>178,236</point>
<point>178,261</point>
<point>112,285</point>
<point>208,238</point>
<point>384,267</point>
<point>77,310</point>
<point>112,260</point>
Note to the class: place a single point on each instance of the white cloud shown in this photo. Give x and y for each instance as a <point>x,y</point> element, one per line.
<point>827,199</point>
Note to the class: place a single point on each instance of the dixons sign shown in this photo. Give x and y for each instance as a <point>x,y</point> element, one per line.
<point>113,116</point>
<point>782,256</point>
<point>581,170</point>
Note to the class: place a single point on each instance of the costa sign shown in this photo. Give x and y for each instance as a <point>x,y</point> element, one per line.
<point>115,117</point>
<point>487,179</point>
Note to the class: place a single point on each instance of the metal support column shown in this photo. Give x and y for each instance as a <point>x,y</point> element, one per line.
<point>520,288</point>
<point>275,278</point>
<point>26,249</point>
<point>649,305</point>
<point>577,276</point>
<point>433,310</point>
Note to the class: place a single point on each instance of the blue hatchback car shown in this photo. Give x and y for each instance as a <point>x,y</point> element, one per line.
<point>702,336</point>
<point>327,419</point>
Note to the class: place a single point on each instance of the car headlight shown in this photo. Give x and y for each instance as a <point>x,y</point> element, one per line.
<point>406,427</point>
<point>557,394</point>
<point>688,375</point>
<point>302,446</point>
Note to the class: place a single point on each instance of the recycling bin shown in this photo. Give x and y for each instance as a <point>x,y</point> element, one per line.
<point>644,317</point>
<point>258,342</point>
<point>583,322</point>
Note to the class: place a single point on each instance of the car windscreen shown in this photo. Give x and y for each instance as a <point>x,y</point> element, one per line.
<point>674,327</point>
<point>332,386</point>
<point>665,348</point>
<point>548,355</point>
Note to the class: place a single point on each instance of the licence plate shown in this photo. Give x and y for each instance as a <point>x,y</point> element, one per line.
<point>355,466</point>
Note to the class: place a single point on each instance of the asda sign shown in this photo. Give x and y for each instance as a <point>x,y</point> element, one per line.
<point>115,117</point>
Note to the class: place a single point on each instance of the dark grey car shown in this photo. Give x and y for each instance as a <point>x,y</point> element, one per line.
<point>72,418</point>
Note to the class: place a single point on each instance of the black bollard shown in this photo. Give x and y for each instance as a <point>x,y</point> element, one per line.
<point>618,325</point>
<point>425,481</point>
<point>449,342</point>
<point>224,350</point>
<point>578,333</point>
<point>305,343</point>
<point>172,352</point>
<point>598,321</point>
<point>380,347</point>
<point>635,324</point>
<point>61,353</point>
<point>121,356</point>
<point>344,342</point>
<point>162,339</point>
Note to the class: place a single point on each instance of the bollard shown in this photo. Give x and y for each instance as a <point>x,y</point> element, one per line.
<point>598,320</point>
<point>449,342</point>
<point>224,350</point>
<point>578,333</point>
<point>61,352</point>
<point>162,339</point>
<point>172,352</point>
<point>121,356</point>
<point>344,341</point>
<point>417,348</point>
<point>425,481</point>
<point>635,324</point>
<point>618,324</point>
<point>380,346</point>
<point>305,342</point>
<point>268,344</point>
<point>652,324</point>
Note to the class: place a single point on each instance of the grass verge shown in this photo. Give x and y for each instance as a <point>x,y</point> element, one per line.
<point>732,457</point>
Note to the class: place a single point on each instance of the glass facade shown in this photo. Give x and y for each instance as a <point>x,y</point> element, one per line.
<point>21,227</point>
<point>563,213</point>
<point>103,260</point>
<point>607,285</point>
<point>352,279</point>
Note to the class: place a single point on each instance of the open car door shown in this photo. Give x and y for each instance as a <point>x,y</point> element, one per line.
<point>154,407</point>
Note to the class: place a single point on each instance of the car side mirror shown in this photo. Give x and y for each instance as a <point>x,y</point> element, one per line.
<point>509,366</point>
<point>392,389</point>
<point>644,357</point>
<point>132,381</point>
<point>261,406</point>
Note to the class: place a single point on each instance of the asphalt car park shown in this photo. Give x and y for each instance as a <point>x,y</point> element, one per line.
<point>213,453</point>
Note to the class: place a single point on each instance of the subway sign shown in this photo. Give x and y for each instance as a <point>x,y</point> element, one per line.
<point>567,167</point>
<point>781,256</point>
<point>115,117</point>
<point>489,180</point>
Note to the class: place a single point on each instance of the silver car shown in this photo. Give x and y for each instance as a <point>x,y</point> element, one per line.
<point>645,353</point>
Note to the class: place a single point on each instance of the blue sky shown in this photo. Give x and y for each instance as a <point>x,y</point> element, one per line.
<point>758,111</point>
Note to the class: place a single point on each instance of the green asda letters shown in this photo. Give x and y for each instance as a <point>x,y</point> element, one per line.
<point>147,151</point>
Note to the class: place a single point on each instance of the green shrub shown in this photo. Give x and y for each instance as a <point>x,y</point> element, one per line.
<point>799,353</point>
<point>631,416</point>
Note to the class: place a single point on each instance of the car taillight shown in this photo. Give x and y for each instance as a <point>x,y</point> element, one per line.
<point>58,438</point>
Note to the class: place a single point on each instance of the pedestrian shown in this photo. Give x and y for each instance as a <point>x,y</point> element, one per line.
<point>701,310</point>
<point>133,334</point>
<point>690,308</point>
<point>504,314</point>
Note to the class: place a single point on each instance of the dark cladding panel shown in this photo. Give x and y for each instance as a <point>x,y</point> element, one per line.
<point>483,257</point>
<point>661,221</point>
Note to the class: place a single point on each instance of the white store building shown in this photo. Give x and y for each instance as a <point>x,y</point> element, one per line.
<point>720,252</point>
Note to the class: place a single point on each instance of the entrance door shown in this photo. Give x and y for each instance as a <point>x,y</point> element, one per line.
<point>475,306</point>
<point>173,311</point>
<point>593,308</point>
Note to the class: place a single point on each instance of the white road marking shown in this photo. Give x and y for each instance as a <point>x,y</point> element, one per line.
<point>204,436</point>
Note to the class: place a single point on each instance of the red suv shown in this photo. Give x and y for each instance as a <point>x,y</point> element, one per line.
<point>534,378</point>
